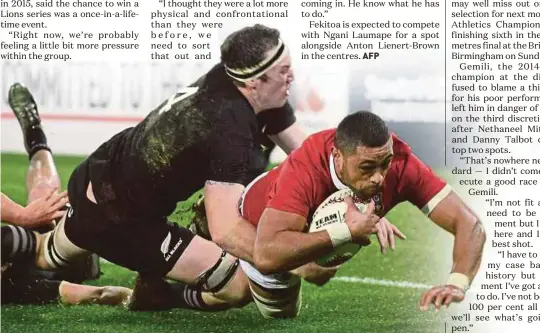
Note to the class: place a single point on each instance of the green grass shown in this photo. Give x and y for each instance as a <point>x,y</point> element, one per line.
<point>425,257</point>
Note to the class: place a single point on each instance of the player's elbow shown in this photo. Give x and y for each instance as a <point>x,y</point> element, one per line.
<point>266,265</point>
<point>220,239</point>
<point>221,233</point>
<point>265,261</point>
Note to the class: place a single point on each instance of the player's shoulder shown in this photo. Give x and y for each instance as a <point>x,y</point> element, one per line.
<point>215,85</point>
<point>318,143</point>
<point>321,140</point>
<point>314,153</point>
<point>216,94</point>
<point>400,146</point>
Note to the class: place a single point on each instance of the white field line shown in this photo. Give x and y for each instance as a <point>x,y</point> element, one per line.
<point>389,283</point>
<point>378,282</point>
<point>372,281</point>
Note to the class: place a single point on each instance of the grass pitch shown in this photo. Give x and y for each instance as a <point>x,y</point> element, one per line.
<point>361,300</point>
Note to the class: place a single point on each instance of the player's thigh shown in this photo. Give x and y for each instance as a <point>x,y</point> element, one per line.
<point>150,246</point>
<point>276,295</point>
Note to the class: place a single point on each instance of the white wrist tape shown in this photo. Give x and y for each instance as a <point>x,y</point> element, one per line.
<point>459,280</point>
<point>339,234</point>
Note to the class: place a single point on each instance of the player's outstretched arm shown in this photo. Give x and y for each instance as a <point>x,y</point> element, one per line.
<point>39,212</point>
<point>453,215</point>
<point>227,228</point>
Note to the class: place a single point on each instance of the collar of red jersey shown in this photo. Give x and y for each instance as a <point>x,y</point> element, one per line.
<point>337,183</point>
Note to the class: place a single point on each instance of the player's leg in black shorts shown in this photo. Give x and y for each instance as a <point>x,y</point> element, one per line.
<point>146,244</point>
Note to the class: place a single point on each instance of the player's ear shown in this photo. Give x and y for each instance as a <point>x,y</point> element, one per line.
<point>251,84</point>
<point>337,155</point>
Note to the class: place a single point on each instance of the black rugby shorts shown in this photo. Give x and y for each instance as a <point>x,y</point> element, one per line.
<point>148,245</point>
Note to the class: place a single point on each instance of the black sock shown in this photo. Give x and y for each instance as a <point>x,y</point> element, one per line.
<point>17,244</point>
<point>36,140</point>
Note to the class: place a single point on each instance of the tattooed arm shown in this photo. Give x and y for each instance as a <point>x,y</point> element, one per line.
<point>227,228</point>
<point>453,215</point>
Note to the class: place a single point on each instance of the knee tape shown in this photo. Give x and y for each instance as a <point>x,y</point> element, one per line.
<point>219,275</point>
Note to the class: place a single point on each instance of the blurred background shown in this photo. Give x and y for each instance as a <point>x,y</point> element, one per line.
<point>84,103</point>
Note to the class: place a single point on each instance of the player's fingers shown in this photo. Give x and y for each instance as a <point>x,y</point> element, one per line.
<point>422,304</point>
<point>57,215</point>
<point>439,299</point>
<point>379,238</point>
<point>383,238</point>
<point>448,299</point>
<point>427,298</point>
<point>391,238</point>
<point>59,204</point>
<point>58,197</point>
<point>398,232</point>
<point>350,203</point>
<point>375,222</point>
<point>370,208</point>
<point>427,301</point>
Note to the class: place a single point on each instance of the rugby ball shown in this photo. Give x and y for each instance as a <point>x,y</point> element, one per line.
<point>331,211</point>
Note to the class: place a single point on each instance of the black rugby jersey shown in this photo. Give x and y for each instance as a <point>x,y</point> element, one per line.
<point>207,131</point>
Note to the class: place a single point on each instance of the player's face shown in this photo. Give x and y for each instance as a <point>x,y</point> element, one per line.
<point>364,170</point>
<point>273,89</point>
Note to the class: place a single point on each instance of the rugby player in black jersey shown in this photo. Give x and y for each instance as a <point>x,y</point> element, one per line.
<point>207,135</point>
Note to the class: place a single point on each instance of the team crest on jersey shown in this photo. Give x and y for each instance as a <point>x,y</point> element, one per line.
<point>379,207</point>
<point>377,199</point>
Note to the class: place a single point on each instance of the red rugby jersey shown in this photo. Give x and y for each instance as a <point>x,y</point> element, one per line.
<point>307,177</point>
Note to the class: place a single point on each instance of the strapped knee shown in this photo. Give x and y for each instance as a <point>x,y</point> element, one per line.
<point>54,259</point>
<point>219,275</point>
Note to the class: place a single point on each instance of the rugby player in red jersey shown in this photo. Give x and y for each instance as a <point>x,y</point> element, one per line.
<point>380,168</point>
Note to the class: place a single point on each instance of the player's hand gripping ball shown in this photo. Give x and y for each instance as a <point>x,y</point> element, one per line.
<point>331,211</point>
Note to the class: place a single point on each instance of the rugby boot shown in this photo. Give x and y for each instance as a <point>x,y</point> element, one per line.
<point>25,109</point>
